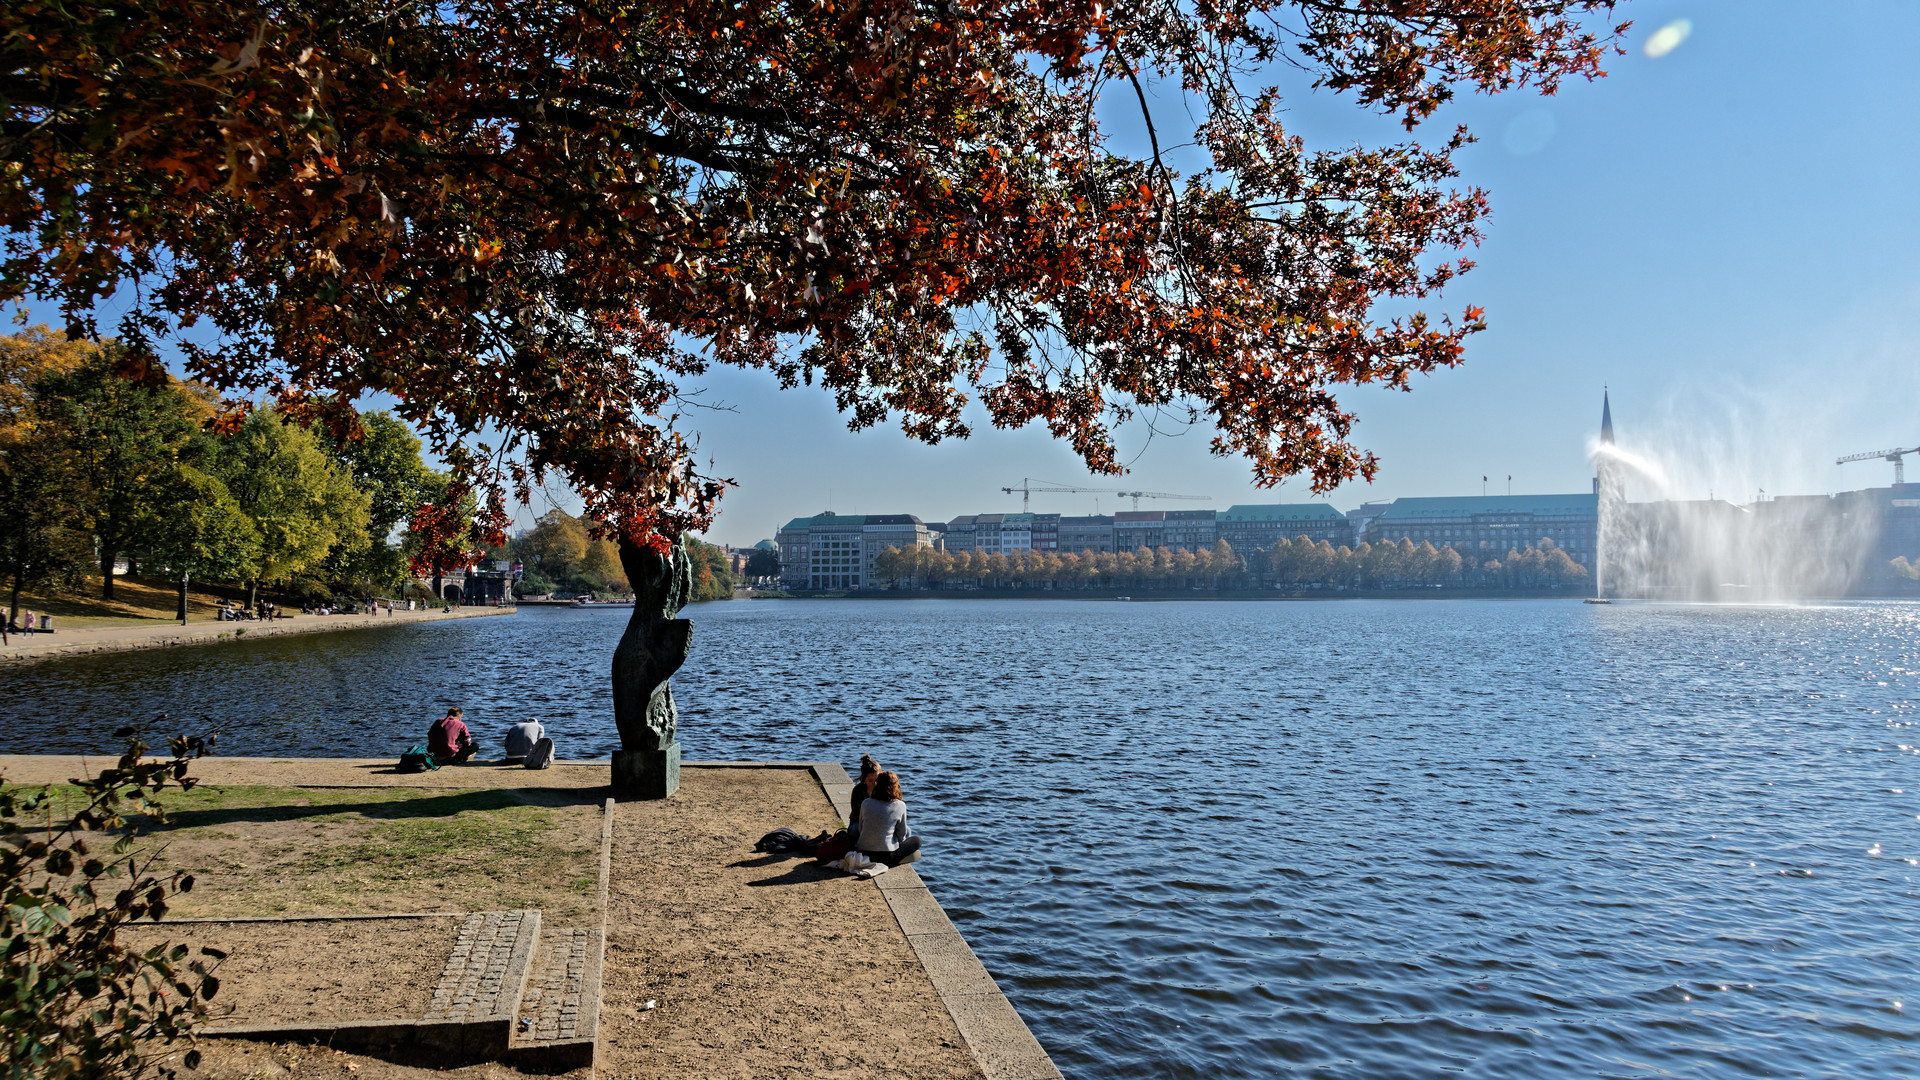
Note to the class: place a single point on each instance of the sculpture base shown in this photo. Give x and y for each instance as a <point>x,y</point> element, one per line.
<point>647,774</point>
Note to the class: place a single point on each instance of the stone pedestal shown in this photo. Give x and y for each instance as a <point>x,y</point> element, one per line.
<point>647,774</point>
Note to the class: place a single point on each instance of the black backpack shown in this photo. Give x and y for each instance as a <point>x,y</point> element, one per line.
<point>416,759</point>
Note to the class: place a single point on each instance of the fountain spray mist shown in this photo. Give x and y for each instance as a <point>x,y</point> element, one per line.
<point>1777,550</point>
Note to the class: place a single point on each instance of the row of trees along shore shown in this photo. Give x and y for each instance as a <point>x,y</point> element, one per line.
<point>1299,563</point>
<point>97,469</point>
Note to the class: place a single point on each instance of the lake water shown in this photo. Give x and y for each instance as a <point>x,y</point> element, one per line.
<point>1355,839</point>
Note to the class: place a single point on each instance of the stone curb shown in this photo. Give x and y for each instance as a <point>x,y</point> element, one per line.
<point>999,1040</point>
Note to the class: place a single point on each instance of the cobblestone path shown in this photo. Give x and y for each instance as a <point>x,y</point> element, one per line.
<point>470,986</point>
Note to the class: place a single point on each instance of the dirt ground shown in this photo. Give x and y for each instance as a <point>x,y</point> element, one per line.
<point>761,966</point>
<point>302,972</point>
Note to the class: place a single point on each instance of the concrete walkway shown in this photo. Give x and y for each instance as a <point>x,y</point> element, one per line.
<point>26,648</point>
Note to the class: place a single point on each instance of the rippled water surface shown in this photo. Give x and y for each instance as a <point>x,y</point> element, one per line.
<point>1233,840</point>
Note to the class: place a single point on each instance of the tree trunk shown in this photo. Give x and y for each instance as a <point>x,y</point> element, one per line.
<point>182,613</point>
<point>253,594</point>
<point>13,605</point>
<point>107,559</point>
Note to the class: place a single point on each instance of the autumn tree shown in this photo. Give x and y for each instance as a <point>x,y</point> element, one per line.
<point>42,533</point>
<point>528,225</point>
<point>557,544</point>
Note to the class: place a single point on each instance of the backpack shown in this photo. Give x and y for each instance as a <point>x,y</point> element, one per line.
<point>833,847</point>
<point>416,759</point>
<point>541,756</point>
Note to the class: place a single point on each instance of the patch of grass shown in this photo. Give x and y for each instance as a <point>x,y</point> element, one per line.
<point>268,850</point>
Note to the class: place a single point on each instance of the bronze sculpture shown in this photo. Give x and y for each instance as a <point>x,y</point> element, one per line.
<point>653,647</point>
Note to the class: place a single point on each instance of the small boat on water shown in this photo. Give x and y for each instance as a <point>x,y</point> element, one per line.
<point>1597,600</point>
<point>603,603</point>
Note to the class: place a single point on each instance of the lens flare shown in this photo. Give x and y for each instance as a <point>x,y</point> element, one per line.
<point>1668,38</point>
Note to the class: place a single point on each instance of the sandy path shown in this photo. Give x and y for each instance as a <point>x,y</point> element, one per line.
<point>762,967</point>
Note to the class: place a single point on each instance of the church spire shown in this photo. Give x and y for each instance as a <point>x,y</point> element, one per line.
<point>1606,419</point>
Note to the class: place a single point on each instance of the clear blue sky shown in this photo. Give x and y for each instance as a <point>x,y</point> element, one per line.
<point>1725,236</point>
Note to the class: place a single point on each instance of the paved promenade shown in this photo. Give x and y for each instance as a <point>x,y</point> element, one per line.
<point>25,648</point>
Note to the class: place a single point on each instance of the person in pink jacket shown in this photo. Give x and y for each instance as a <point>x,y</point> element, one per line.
<point>449,741</point>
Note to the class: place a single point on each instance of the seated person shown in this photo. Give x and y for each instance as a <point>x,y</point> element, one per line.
<point>520,740</point>
<point>862,789</point>
<point>884,836</point>
<point>448,739</point>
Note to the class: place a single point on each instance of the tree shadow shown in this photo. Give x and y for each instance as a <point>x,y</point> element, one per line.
<point>431,806</point>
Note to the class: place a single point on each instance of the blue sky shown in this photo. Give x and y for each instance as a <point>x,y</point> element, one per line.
<point>1724,235</point>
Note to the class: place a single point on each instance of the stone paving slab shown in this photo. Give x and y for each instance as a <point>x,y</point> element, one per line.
<point>487,970</point>
<point>552,1005</point>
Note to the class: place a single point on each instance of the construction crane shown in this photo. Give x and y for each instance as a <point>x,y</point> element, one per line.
<point>1899,467</point>
<point>1027,488</point>
<point>1136,496</point>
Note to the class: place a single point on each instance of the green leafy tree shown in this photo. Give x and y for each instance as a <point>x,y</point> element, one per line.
<point>75,1003</point>
<point>712,573</point>
<point>763,564</point>
<point>384,462</point>
<point>299,499</point>
<point>204,533</point>
<point>124,438</point>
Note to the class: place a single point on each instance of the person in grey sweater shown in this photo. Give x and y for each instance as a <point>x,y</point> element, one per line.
<point>884,835</point>
<point>520,740</point>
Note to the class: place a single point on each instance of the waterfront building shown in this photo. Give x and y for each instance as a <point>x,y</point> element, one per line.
<point>882,531</point>
<point>1494,523</point>
<point>1194,530</point>
<point>959,533</point>
<point>1089,533</point>
<point>1016,533</point>
<point>1358,520</point>
<point>986,532</point>
<point>1045,534</point>
<point>1139,529</point>
<point>1255,526</point>
<point>837,551</point>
